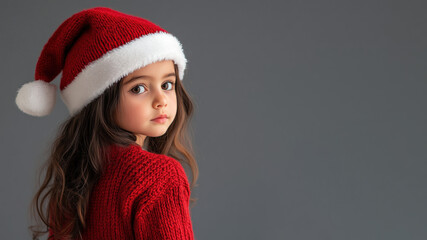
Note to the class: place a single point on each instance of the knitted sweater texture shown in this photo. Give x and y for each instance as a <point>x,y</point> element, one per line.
<point>141,195</point>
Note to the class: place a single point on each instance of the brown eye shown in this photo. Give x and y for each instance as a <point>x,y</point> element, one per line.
<point>171,85</point>
<point>137,89</point>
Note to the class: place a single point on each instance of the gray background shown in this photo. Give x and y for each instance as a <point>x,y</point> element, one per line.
<point>310,118</point>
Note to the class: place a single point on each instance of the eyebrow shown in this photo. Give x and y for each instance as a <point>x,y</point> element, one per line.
<point>145,76</point>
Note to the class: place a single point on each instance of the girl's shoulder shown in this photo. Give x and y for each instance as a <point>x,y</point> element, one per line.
<point>142,164</point>
<point>145,174</point>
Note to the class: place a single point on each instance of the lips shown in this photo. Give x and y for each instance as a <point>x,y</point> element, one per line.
<point>161,117</point>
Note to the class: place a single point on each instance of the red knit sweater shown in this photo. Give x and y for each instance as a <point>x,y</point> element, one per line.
<point>142,195</point>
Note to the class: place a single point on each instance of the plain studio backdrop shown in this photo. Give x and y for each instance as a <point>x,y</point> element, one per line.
<point>310,119</point>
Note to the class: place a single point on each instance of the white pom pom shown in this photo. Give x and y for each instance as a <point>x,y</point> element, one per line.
<point>36,98</point>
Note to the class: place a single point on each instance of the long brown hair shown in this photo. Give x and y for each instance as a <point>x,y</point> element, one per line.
<point>78,157</point>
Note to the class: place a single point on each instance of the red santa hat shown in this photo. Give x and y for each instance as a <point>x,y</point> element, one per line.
<point>95,48</point>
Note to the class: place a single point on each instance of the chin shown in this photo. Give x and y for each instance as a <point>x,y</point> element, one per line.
<point>157,133</point>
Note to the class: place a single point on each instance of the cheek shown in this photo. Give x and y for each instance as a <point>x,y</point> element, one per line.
<point>172,104</point>
<point>134,110</point>
<point>131,113</point>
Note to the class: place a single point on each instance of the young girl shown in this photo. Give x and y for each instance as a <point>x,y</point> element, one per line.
<point>114,171</point>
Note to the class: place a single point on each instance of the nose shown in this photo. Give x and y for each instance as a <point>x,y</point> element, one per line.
<point>159,100</point>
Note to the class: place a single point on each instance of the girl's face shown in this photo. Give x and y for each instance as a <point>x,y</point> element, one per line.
<point>145,94</point>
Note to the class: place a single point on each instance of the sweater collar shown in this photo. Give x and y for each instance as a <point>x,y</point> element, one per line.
<point>115,150</point>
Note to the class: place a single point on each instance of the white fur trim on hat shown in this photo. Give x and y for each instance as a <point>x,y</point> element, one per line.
<point>119,62</point>
<point>36,98</point>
